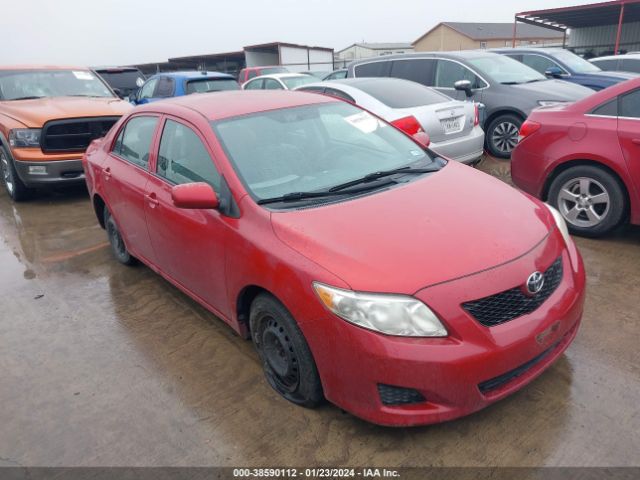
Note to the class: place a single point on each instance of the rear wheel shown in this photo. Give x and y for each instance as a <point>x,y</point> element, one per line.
<point>502,135</point>
<point>590,199</point>
<point>12,183</point>
<point>118,247</point>
<point>286,359</point>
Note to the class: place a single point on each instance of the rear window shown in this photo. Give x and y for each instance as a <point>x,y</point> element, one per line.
<point>293,82</point>
<point>270,70</point>
<point>401,94</point>
<point>211,85</point>
<point>373,69</point>
<point>122,78</point>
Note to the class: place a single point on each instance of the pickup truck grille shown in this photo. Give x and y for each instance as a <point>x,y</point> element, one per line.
<point>74,134</point>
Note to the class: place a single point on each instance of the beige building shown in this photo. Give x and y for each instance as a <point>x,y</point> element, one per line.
<point>448,36</point>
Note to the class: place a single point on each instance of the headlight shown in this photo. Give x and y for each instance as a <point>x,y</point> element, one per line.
<point>549,103</point>
<point>390,314</point>
<point>560,222</point>
<point>24,137</point>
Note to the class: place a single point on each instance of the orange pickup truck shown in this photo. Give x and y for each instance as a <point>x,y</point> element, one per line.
<point>48,117</point>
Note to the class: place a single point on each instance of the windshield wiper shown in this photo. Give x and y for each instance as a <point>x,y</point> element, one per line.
<point>384,173</point>
<point>535,80</point>
<point>32,97</point>
<point>296,196</point>
<point>510,83</point>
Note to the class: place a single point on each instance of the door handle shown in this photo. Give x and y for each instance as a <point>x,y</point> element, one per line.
<point>153,201</point>
<point>635,141</point>
<point>107,173</point>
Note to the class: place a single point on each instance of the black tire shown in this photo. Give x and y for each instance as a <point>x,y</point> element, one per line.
<point>118,247</point>
<point>502,135</point>
<point>16,189</point>
<point>578,194</point>
<point>286,359</point>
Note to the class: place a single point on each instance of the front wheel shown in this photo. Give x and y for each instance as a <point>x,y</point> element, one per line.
<point>502,135</point>
<point>12,183</point>
<point>590,199</point>
<point>286,359</point>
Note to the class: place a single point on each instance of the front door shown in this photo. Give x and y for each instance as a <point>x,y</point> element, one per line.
<point>125,176</point>
<point>189,245</point>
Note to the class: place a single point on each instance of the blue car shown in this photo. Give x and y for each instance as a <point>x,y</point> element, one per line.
<point>565,65</point>
<point>177,84</point>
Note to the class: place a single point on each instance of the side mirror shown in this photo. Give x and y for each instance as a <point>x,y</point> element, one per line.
<point>464,86</point>
<point>422,138</point>
<point>553,72</point>
<point>198,195</point>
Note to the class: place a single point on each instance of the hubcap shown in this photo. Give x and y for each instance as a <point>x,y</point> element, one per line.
<point>279,356</point>
<point>583,202</point>
<point>7,175</point>
<point>505,136</point>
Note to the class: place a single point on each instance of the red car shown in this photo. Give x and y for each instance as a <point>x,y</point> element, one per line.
<point>248,73</point>
<point>583,158</point>
<point>366,269</point>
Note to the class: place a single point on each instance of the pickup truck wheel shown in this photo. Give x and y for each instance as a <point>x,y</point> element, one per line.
<point>502,135</point>
<point>12,183</point>
<point>287,361</point>
<point>118,247</point>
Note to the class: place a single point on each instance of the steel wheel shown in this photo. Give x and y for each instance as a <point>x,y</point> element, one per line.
<point>281,363</point>
<point>7,173</point>
<point>505,136</point>
<point>584,202</point>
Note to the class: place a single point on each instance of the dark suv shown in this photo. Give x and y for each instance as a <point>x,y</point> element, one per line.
<point>509,89</point>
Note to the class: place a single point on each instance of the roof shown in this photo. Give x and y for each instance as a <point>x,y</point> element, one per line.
<point>496,31</point>
<point>238,102</point>
<point>194,75</point>
<point>114,68</point>
<point>633,56</point>
<point>281,75</point>
<point>285,44</point>
<point>590,15</point>
<point>380,46</point>
<point>42,67</point>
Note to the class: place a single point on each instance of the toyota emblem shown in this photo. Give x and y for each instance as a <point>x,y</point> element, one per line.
<point>535,282</point>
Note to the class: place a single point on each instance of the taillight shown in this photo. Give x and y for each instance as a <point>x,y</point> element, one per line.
<point>476,115</point>
<point>408,125</point>
<point>529,127</point>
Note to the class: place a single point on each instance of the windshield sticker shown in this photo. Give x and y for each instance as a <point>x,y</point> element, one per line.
<point>363,121</point>
<point>80,75</point>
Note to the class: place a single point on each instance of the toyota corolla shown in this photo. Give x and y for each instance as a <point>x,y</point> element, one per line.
<point>405,288</point>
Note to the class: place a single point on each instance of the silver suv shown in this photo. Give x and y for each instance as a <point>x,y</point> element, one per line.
<point>509,89</point>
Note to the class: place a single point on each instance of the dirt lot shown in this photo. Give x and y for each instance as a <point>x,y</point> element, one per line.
<point>101,364</point>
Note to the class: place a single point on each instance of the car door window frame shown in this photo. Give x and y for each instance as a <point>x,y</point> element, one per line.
<point>140,97</point>
<point>152,144</point>
<point>564,70</point>
<point>620,98</point>
<point>165,78</point>
<point>260,80</point>
<point>440,59</point>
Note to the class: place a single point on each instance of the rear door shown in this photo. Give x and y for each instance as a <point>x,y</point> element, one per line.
<point>189,245</point>
<point>420,70</point>
<point>629,134</point>
<point>125,174</point>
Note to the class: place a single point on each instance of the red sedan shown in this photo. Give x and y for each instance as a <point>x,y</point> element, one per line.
<point>366,269</point>
<point>584,158</point>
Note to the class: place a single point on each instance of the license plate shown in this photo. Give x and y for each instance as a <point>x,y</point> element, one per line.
<point>451,125</point>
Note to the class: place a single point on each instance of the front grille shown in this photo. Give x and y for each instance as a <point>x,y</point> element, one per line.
<point>514,303</point>
<point>391,395</point>
<point>74,134</point>
<point>500,380</point>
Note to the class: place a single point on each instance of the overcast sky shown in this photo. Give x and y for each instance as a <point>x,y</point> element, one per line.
<point>101,32</point>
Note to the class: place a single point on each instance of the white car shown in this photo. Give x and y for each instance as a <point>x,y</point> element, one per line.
<point>279,81</point>
<point>453,126</point>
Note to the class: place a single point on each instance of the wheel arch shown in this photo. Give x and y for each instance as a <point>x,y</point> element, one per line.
<point>98,208</point>
<point>244,299</point>
<point>503,111</point>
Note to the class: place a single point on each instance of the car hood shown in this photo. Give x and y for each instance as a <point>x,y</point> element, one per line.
<point>34,113</point>
<point>436,228</point>
<point>554,90</point>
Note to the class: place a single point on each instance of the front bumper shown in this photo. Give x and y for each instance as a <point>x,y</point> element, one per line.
<point>58,172</point>
<point>452,373</point>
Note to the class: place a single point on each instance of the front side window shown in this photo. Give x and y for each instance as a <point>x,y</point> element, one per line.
<point>539,63</point>
<point>505,70</point>
<point>165,88</point>
<point>134,141</point>
<point>628,65</point>
<point>211,85</point>
<point>312,148</point>
<point>254,85</point>
<point>574,62</point>
<point>271,84</point>
<point>25,84</point>
<point>148,88</point>
<point>293,82</point>
<point>448,73</point>
<point>629,105</point>
<point>183,158</point>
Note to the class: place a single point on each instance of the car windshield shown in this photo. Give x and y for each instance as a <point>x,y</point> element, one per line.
<point>400,93</point>
<point>293,82</point>
<point>20,84</point>
<point>122,79</point>
<point>211,85</point>
<point>575,63</point>
<point>313,148</point>
<point>505,70</point>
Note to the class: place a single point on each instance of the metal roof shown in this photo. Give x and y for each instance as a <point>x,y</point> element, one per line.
<point>500,31</point>
<point>590,15</point>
